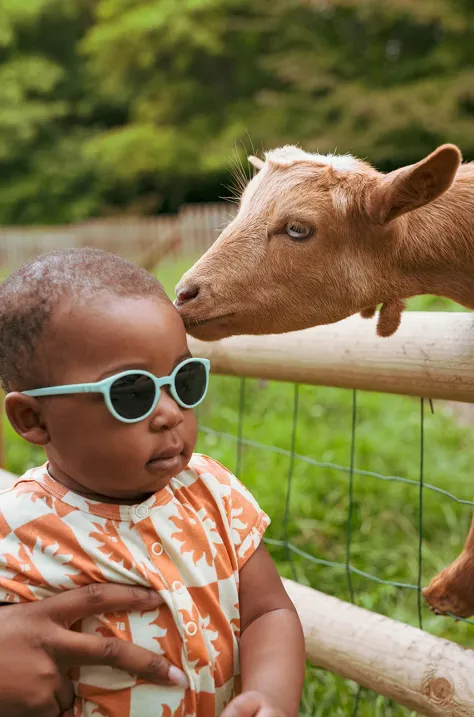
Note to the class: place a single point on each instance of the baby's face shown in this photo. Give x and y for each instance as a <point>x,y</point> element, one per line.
<point>90,449</point>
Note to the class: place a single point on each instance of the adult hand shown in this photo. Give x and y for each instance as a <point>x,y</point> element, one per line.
<point>37,648</point>
<point>251,704</point>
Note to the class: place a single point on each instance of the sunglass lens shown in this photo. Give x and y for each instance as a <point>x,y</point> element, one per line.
<point>132,396</point>
<point>191,382</point>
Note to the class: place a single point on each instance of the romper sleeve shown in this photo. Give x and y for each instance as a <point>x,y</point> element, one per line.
<point>22,553</point>
<point>15,568</point>
<point>247,522</point>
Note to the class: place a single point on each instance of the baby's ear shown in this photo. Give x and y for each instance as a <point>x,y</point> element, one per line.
<point>414,186</point>
<point>24,414</point>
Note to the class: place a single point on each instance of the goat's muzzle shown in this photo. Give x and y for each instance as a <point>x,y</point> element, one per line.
<point>186,293</point>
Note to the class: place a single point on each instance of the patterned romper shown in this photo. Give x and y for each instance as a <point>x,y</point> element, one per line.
<point>188,541</point>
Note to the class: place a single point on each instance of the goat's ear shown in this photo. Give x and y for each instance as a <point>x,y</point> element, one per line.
<point>256,162</point>
<point>414,186</point>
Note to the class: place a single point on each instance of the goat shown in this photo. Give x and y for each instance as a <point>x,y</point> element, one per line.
<point>318,238</point>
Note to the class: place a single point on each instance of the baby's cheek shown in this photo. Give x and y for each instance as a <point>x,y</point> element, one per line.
<point>122,449</point>
<point>189,432</point>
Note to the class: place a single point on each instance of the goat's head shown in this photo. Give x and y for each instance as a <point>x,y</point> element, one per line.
<point>316,239</point>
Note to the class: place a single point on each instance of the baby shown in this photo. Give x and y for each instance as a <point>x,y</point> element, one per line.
<point>94,359</point>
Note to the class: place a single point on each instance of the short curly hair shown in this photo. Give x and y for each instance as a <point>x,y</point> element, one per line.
<point>29,296</point>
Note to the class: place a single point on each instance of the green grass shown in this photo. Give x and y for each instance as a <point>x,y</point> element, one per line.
<point>385,513</point>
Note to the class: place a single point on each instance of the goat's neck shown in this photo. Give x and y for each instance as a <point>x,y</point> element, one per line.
<point>436,248</point>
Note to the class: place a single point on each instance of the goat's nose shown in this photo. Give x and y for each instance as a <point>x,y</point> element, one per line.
<point>186,293</point>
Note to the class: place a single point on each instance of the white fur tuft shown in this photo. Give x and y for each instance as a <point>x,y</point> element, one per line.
<point>288,155</point>
<point>340,200</point>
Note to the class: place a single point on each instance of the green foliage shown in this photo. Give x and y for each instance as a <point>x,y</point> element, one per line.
<point>111,104</point>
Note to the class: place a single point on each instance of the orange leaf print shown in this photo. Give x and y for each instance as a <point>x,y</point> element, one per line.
<point>168,712</point>
<point>115,624</point>
<point>106,702</point>
<point>204,703</point>
<point>212,635</point>
<point>195,646</point>
<point>59,554</point>
<point>4,527</point>
<point>235,622</point>
<point>193,536</point>
<point>39,494</point>
<point>113,546</point>
<point>167,635</point>
<point>58,569</point>
<point>209,465</point>
<point>239,528</point>
<point>23,568</point>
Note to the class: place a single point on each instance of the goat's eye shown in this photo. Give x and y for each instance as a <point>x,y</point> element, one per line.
<point>298,231</point>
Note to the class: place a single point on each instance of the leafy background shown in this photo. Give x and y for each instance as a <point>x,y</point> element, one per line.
<point>113,107</point>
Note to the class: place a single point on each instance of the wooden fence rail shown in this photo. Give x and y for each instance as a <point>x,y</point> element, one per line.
<point>431,355</point>
<point>418,670</point>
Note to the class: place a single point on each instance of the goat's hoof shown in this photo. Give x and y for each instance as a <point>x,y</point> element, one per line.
<point>452,591</point>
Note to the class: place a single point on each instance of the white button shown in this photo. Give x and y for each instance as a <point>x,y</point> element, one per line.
<point>177,586</point>
<point>157,549</point>
<point>141,511</point>
<point>191,628</point>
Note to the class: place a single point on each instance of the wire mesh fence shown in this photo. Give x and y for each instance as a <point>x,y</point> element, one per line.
<point>304,558</point>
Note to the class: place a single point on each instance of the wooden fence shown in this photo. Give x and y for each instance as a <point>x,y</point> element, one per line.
<point>431,355</point>
<point>191,231</point>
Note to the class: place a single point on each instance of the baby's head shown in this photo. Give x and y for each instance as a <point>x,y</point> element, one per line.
<point>78,316</point>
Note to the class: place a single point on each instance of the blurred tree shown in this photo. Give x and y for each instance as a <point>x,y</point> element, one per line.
<point>387,81</point>
<point>44,176</point>
<point>137,105</point>
<point>188,79</point>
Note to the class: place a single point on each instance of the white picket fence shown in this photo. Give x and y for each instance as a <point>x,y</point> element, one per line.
<point>194,228</point>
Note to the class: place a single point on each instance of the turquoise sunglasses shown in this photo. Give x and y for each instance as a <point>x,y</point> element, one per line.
<point>132,396</point>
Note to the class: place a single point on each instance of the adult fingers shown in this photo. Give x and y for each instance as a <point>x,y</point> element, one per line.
<point>64,695</point>
<point>72,605</point>
<point>79,649</point>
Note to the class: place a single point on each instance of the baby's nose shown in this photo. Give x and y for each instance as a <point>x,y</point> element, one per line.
<point>167,413</point>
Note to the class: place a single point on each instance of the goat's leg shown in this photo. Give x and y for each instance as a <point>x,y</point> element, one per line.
<point>453,589</point>
<point>390,317</point>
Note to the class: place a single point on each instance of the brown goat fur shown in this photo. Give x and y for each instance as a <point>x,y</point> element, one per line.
<point>376,239</point>
<point>371,239</point>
